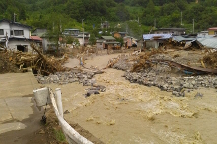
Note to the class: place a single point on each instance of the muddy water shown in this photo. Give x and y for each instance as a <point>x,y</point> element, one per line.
<point>133,113</point>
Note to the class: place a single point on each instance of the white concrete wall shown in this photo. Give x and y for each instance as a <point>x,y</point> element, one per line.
<point>26,31</point>
<point>99,45</point>
<point>151,44</point>
<point>12,45</point>
<point>86,41</point>
<point>44,44</point>
<point>6,27</point>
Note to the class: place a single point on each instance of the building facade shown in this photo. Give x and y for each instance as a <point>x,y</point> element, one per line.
<point>174,31</point>
<point>83,37</point>
<point>212,31</point>
<point>15,36</point>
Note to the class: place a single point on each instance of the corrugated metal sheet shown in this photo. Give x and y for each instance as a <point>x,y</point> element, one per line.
<point>208,42</point>
<point>161,36</point>
<point>181,38</point>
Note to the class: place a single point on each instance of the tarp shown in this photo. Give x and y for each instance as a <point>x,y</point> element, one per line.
<point>161,36</point>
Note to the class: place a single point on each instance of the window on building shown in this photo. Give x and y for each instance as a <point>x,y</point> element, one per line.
<point>1,32</point>
<point>12,32</point>
<point>18,32</point>
<point>164,32</point>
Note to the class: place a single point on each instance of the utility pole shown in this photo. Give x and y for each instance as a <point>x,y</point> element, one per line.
<point>193,26</point>
<point>181,18</point>
<point>83,31</point>
<point>154,23</point>
<point>15,17</point>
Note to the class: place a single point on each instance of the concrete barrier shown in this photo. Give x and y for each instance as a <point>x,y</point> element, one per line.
<point>41,96</point>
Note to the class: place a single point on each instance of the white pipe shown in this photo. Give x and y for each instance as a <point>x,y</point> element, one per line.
<point>72,133</point>
<point>59,101</point>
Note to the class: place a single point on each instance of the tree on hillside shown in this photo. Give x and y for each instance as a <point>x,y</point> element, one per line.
<point>92,40</point>
<point>122,13</point>
<point>22,15</point>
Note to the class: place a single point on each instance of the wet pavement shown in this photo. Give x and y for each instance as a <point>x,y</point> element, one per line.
<point>17,107</point>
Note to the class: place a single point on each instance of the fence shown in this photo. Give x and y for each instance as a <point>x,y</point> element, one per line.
<point>72,136</point>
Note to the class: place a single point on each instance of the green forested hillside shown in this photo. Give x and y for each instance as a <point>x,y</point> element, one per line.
<point>69,13</point>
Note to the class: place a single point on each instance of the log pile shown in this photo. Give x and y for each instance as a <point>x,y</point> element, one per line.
<point>40,63</point>
<point>141,61</point>
<point>6,64</point>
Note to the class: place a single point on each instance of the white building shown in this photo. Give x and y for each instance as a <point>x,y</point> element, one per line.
<point>83,37</point>
<point>18,35</point>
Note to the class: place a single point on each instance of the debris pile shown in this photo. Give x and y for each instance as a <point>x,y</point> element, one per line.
<point>211,59</point>
<point>42,64</point>
<point>5,63</point>
<point>82,77</point>
<point>177,85</point>
<point>141,61</point>
<point>172,71</point>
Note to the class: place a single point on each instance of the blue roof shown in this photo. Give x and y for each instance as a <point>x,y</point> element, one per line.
<point>151,36</point>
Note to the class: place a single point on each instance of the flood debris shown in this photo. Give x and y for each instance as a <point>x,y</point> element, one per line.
<point>6,64</point>
<point>172,70</point>
<point>211,59</point>
<point>84,77</point>
<point>17,61</point>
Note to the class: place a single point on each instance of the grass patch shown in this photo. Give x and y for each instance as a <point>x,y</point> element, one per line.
<point>59,135</point>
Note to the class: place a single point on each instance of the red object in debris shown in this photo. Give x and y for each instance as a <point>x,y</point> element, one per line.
<point>37,38</point>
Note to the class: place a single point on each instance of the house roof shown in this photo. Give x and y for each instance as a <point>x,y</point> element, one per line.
<point>158,36</point>
<point>108,37</point>
<point>15,23</point>
<point>177,29</point>
<point>208,42</point>
<point>213,28</point>
<point>181,38</point>
<point>36,38</point>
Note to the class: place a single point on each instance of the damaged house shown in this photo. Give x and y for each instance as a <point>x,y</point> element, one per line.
<point>195,42</point>
<point>155,40</point>
<point>15,36</point>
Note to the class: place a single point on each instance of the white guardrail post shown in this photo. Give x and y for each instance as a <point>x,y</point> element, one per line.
<point>67,129</point>
<point>59,101</point>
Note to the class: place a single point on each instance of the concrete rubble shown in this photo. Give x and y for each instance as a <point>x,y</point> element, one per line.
<point>165,77</point>
<point>83,77</point>
<point>177,85</point>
